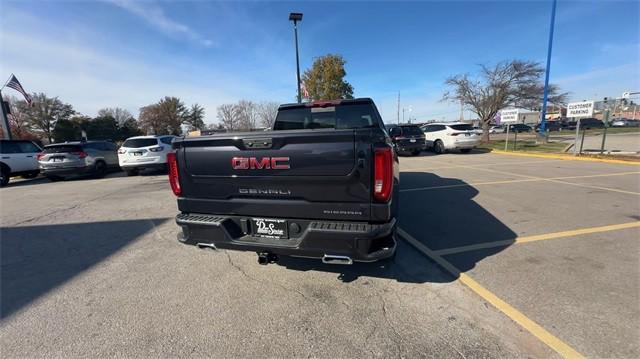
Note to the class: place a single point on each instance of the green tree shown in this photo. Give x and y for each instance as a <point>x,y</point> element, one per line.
<point>195,118</point>
<point>119,114</point>
<point>163,118</point>
<point>128,129</point>
<point>102,128</point>
<point>45,111</point>
<point>70,129</point>
<point>325,79</point>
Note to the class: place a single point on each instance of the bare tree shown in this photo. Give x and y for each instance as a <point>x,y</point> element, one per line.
<point>510,83</point>
<point>227,116</point>
<point>119,114</point>
<point>267,112</point>
<point>19,118</point>
<point>247,115</point>
<point>45,111</point>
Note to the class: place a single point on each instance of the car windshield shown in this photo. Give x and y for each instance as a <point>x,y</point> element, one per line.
<point>140,142</point>
<point>411,130</point>
<point>62,148</point>
<point>338,117</point>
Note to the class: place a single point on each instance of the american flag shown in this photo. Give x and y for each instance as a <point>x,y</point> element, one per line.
<point>303,89</point>
<point>15,84</point>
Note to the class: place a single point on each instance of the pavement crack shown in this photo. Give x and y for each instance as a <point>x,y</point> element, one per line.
<point>398,339</point>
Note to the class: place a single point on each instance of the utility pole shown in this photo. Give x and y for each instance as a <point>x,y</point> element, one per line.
<point>543,116</point>
<point>398,107</point>
<point>461,111</point>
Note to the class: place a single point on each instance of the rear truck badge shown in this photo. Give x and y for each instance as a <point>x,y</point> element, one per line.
<point>265,163</point>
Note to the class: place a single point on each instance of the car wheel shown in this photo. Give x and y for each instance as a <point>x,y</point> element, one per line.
<point>30,175</point>
<point>438,147</point>
<point>100,169</point>
<point>133,172</point>
<point>465,150</point>
<point>54,178</point>
<point>4,176</point>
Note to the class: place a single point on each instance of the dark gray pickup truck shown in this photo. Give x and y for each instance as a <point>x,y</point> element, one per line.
<point>323,184</point>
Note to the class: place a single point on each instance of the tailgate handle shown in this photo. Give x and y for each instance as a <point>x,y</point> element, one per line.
<point>259,143</point>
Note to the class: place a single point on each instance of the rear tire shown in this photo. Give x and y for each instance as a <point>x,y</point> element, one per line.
<point>438,147</point>
<point>100,169</point>
<point>4,176</point>
<point>465,150</point>
<point>133,172</point>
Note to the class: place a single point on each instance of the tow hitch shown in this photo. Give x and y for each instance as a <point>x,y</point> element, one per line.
<point>265,258</point>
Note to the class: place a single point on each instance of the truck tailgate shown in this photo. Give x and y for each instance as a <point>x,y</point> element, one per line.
<point>320,174</point>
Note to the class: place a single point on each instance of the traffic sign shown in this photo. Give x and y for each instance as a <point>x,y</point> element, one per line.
<point>580,109</point>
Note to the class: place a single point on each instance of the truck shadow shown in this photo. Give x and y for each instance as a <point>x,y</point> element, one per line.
<point>35,260</point>
<point>441,214</point>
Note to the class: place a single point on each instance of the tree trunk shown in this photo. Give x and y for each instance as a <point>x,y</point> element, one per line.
<point>485,130</point>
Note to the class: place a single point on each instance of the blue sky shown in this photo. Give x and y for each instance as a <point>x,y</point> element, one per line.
<point>96,54</point>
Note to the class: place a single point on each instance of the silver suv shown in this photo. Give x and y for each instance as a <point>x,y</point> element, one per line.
<point>67,159</point>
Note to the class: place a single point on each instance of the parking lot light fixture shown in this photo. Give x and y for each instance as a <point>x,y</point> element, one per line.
<point>295,17</point>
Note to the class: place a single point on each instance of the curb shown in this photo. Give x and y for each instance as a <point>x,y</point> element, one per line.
<point>566,157</point>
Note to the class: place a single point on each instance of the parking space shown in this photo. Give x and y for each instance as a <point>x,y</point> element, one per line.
<point>525,257</point>
<point>558,245</point>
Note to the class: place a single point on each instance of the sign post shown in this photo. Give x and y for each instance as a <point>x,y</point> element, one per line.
<point>579,110</point>
<point>508,117</point>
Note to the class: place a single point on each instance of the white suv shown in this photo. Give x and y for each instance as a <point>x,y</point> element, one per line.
<point>18,158</point>
<point>140,152</point>
<point>450,136</point>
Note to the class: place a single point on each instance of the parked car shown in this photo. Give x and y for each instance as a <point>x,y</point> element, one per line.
<point>589,123</point>
<point>407,138</point>
<point>624,122</point>
<point>497,129</point>
<point>551,126</point>
<point>78,158</point>
<point>323,184</point>
<point>18,158</point>
<point>442,137</point>
<point>519,127</point>
<point>142,152</point>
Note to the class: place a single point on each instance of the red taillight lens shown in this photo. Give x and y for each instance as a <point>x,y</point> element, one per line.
<point>174,177</point>
<point>383,174</point>
<point>80,154</point>
<point>39,156</point>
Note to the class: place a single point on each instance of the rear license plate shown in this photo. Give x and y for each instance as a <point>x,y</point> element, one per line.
<point>137,153</point>
<point>412,140</point>
<point>270,228</point>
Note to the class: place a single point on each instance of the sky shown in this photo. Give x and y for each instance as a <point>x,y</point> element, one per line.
<point>96,54</point>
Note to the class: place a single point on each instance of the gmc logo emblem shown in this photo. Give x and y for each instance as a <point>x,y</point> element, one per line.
<point>265,163</point>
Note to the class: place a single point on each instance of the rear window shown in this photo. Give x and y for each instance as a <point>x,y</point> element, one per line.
<point>62,149</point>
<point>411,130</point>
<point>338,117</point>
<point>462,127</point>
<point>140,142</point>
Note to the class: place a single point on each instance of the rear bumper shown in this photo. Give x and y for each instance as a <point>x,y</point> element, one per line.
<point>66,171</point>
<point>418,146</point>
<point>142,162</point>
<point>360,241</point>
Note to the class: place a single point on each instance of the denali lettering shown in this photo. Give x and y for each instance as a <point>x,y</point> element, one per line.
<point>284,192</point>
<point>267,163</point>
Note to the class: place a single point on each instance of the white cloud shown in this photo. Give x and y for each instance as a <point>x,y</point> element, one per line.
<point>155,16</point>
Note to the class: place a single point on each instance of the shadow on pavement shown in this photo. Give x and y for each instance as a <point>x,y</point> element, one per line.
<point>445,218</point>
<point>440,219</point>
<point>36,259</point>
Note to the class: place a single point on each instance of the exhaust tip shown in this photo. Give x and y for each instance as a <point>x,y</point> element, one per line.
<point>207,245</point>
<point>333,259</point>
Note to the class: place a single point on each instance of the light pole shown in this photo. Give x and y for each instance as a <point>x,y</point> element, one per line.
<point>403,111</point>
<point>546,75</point>
<point>295,17</point>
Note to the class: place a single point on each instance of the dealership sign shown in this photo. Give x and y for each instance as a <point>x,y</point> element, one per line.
<point>580,109</point>
<point>509,116</point>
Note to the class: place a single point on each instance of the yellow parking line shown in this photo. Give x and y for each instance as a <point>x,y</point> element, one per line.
<point>487,164</point>
<point>530,179</point>
<point>532,327</point>
<point>539,237</point>
<point>566,157</point>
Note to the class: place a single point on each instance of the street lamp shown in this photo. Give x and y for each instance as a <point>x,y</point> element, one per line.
<point>409,109</point>
<point>295,17</point>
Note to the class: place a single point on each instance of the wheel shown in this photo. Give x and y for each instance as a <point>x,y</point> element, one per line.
<point>100,169</point>
<point>4,176</point>
<point>30,175</point>
<point>54,178</point>
<point>133,172</point>
<point>438,147</point>
<point>465,150</point>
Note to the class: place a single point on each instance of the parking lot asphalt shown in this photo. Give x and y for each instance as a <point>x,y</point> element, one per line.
<point>92,268</point>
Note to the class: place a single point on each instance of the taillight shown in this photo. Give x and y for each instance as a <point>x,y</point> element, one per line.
<point>39,156</point>
<point>80,154</point>
<point>156,149</point>
<point>382,174</point>
<point>454,133</point>
<point>174,177</point>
